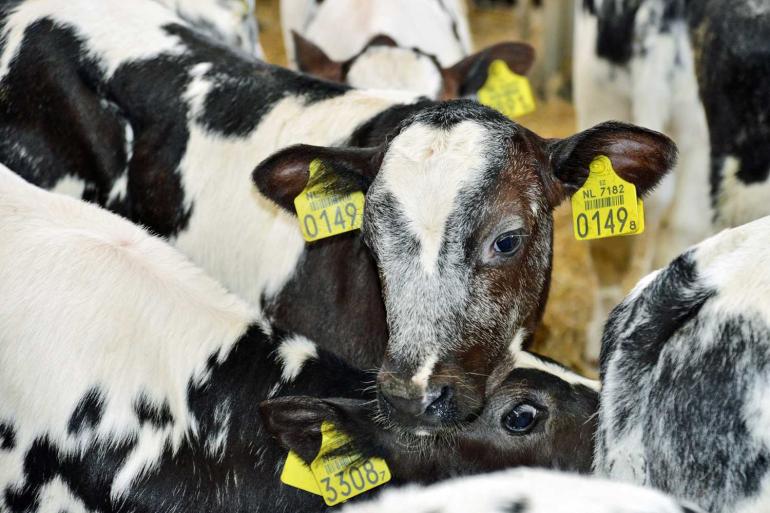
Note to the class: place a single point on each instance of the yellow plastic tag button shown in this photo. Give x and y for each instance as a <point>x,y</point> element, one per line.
<point>506,91</point>
<point>606,205</point>
<point>323,213</point>
<point>297,474</point>
<point>341,478</point>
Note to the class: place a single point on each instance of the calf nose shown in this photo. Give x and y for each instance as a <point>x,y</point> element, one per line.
<point>431,406</point>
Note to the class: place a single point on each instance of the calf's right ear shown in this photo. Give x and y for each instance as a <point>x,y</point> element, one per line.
<point>284,175</point>
<point>313,60</point>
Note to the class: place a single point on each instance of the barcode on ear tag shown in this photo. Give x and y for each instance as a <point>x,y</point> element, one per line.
<point>606,205</point>
<point>506,91</point>
<point>321,211</point>
<point>341,478</point>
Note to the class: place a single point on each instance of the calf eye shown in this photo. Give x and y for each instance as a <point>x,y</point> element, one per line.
<point>508,243</point>
<point>521,419</point>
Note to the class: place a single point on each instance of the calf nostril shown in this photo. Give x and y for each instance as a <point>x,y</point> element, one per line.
<point>442,402</point>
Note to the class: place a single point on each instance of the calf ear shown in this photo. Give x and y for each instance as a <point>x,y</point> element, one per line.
<point>311,59</point>
<point>284,175</point>
<point>640,156</point>
<point>469,75</point>
<point>296,421</point>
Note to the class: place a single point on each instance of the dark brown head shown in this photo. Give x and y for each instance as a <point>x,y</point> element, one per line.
<point>539,415</point>
<point>383,64</point>
<point>458,218</point>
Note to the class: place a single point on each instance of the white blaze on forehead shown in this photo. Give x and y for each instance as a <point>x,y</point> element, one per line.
<point>293,353</point>
<point>529,361</point>
<point>425,169</point>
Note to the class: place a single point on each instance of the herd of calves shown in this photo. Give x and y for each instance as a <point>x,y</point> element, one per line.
<point>167,335</point>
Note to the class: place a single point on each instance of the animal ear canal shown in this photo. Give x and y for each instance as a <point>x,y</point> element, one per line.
<point>285,174</point>
<point>638,155</point>
<point>313,60</point>
<point>470,74</point>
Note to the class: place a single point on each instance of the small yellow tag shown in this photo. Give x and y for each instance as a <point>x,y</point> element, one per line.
<point>297,474</point>
<point>606,205</point>
<point>506,91</point>
<point>322,213</point>
<point>343,477</point>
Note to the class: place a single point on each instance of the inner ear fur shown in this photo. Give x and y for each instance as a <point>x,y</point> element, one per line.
<point>638,155</point>
<point>284,175</point>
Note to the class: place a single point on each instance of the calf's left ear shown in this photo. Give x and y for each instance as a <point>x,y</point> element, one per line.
<point>468,75</point>
<point>284,175</point>
<point>296,421</point>
<point>640,156</point>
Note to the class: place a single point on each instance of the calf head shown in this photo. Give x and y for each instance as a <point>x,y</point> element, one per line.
<point>538,415</point>
<point>458,217</point>
<point>383,64</point>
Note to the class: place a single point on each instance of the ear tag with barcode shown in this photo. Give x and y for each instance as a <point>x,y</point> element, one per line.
<point>343,477</point>
<point>506,91</point>
<point>606,205</point>
<point>321,211</point>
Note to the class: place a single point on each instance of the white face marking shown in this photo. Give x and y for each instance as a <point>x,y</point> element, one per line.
<point>385,67</point>
<point>518,341</point>
<point>425,169</point>
<point>70,186</point>
<point>529,361</point>
<point>293,353</point>
<point>425,371</point>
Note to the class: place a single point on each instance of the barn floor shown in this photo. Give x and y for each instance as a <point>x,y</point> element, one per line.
<point>563,334</point>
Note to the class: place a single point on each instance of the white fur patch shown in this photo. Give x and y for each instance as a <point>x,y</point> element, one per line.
<point>425,371</point>
<point>425,169</point>
<point>293,353</point>
<point>385,67</point>
<point>529,361</point>
<point>737,202</point>
<point>70,186</point>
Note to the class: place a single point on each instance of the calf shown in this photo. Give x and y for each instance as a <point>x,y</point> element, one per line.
<point>147,400</point>
<point>524,491</point>
<point>421,46</point>
<point>458,211</point>
<point>686,375</point>
<point>231,21</point>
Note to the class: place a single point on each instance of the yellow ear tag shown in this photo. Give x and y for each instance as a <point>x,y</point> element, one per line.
<point>343,477</point>
<point>297,474</point>
<point>606,205</point>
<point>506,91</point>
<point>323,213</point>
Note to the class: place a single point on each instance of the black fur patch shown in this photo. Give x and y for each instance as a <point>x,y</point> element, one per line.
<point>519,506</point>
<point>159,415</point>
<point>7,436</point>
<point>88,412</point>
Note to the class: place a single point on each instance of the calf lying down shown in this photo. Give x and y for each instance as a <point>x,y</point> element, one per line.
<point>685,366</point>
<point>131,381</point>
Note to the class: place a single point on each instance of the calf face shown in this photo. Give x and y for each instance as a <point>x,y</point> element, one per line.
<point>383,64</point>
<point>458,217</point>
<point>539,415</point>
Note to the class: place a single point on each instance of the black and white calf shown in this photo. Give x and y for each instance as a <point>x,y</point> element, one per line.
<point>420,46</point>
<point>131,382</point>
<point>168,130</point>
<point>231,21</point>
<point>524,491</point>
<point>686,377</point>
<point>688,69</point>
